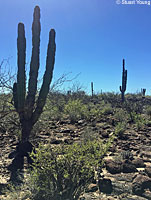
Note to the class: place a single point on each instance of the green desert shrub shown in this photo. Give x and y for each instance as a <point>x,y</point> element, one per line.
<point>133,106</point>
<point>75,109</point>
<point>111,98</point>
<point>107,109</point>
<point>64,172</point>
<point>148,111</point>
<point>93,111</point>
<point>120,129</point>
<point>54,107</point>
<point>89,134</point>
<point>139,120</point>
<point>58,99</point>
<point>120,115</point>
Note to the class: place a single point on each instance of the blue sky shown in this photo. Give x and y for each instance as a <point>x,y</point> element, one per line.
<point>92,38</point>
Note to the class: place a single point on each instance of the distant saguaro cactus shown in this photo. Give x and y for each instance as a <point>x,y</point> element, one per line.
<point>92,91</point>
<point>124,81</point>
<point>28,109</point>
<point>143,91</point>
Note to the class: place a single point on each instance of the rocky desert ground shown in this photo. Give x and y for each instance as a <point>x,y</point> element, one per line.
<point>126,170</point>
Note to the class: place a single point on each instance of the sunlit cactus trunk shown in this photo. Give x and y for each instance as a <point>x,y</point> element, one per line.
<point>124,82</point>
<point>24,101</point>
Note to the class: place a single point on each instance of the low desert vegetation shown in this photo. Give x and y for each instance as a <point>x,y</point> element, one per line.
<point>64,171</point>
<point>61,172</point>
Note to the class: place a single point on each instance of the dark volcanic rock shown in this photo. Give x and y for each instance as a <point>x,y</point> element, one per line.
<point>105,134</point>
<point>113,166</point>
<point>148,171</point>
<point>67,130</point>
<point>124,166</point>
<point>120,188</point>
<point>140,183</point>
<point>105,185</point>
<point>128,167</point>
<point>56,141</point>
<point>138,162</point>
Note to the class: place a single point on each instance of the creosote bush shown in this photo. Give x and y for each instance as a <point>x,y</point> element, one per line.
<point>64,172</point>
<point>121,115</point>
<point>75,109</point>
<point>139,120</point>
<point>107,109</point>
<point>120,129</point>
<point>111,98</point>
<point>93,111</point>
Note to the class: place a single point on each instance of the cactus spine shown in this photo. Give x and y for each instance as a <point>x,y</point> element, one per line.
<point>29,111</point>
<point>124,81</point>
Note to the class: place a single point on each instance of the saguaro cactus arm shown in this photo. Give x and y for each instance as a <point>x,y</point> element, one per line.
<point>34,65</point>
<point>15,98</point>
<point>19,88</point>
<point>50,60</point>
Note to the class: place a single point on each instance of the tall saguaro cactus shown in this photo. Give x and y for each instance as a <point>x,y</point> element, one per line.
<point>124,81</point>
<point>28,109</point>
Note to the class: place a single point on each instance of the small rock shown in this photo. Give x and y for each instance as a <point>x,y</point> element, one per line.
<point>66,131</point>
<point>123,136</point>
<point>105,185</point>
<point>128,167</point>
<point>105,134</point>
<point>139,163</point>
<point>140,183</point>
<point>134,197</point>
<point>120,188</point>
<point>148,171</point>
<point>81,121</point>
<point>113,166</point>
<point>92,188</point>
<point>68,141</point>
<point>128,178</point>
<point>56,141</point>
<point>147,195</point>
<point>106,126</point>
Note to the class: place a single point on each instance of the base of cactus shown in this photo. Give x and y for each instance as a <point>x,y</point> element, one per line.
<point>17,165</point>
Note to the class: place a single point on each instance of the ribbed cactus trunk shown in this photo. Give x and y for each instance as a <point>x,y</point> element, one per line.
<point>124,82</point>
<point>28,109</point>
